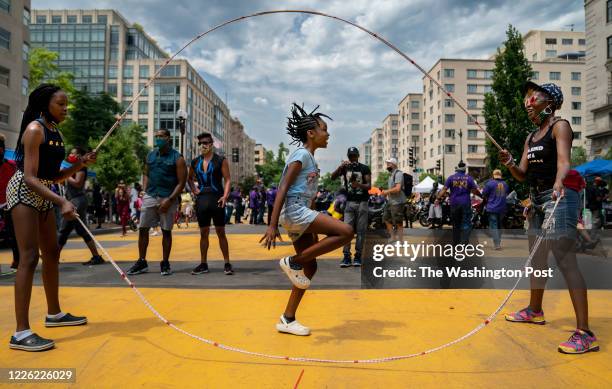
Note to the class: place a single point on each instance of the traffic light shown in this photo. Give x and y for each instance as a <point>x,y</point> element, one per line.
<point>438,164</point>
<point>411,156</point>
<point>235,154</point>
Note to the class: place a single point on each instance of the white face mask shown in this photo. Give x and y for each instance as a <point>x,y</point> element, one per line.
<point>204,149</point>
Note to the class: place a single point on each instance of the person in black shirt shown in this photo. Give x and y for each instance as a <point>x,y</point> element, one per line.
<point>355,178</point>
<point>596,194</point>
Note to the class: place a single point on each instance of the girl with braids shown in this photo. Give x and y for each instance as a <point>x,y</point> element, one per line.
<point>294,208</point>
<point>39,154</point>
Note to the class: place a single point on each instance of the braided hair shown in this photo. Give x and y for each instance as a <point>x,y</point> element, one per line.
<point>300,122</point>
<point>38,105</point>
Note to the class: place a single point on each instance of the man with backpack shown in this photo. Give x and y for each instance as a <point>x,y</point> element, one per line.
<point>396,201</point>
<point>355,179</point>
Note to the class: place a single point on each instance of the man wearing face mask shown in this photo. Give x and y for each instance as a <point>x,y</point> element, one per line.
<point>396,201</point>
<point>355,178</point>
<point>213,175</point>
<point>165,174</point>
<point>75,193</point>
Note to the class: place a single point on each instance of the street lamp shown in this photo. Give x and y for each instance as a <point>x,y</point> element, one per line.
<point>460,145</point>
<point>182,118</point>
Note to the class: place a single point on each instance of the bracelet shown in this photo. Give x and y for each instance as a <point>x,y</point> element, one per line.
<point>510,163</point>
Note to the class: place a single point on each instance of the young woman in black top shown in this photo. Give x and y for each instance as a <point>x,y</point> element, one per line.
<point>39,154</point>
<point>544,164</point>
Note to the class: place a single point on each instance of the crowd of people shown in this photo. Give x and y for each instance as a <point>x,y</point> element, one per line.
<point>43,202</point>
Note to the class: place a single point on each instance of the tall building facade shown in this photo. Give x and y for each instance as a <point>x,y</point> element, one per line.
<point>259,154</point>
<point>410,128</point>
<point>14,75</point>
<point>598,14</point>
<point>107,53</point>
<point>241,156</point>
<point>365,152</point>
<point>377,152</point>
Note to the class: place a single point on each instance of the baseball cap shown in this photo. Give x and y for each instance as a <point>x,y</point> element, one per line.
<point>392,160</point>
<point>552,90</point>
<point>352,151</point>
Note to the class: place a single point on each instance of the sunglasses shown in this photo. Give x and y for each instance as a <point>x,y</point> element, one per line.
<point>533,99</point>
<point>205,143</point>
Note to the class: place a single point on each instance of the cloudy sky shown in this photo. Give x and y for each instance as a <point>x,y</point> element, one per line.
<point>264,64</point>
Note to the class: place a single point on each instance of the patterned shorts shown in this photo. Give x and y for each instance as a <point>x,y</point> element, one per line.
<point>18,192</point>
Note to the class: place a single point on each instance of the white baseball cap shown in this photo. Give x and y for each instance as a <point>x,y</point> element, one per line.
<point>392,160</point>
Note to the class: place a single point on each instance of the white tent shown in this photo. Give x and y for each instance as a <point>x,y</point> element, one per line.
<point>424,186</point>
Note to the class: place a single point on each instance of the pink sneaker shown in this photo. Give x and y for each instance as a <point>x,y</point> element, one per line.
<point>526,315</point>
<point>579,343</point>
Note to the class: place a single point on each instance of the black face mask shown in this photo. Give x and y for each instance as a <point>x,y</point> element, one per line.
<point>389,169</point>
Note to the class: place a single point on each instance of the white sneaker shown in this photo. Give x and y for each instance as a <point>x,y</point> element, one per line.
<point>294,327</point>
<point>297,277</point>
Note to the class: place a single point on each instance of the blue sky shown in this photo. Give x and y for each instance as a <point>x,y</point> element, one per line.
<point>266,63</point>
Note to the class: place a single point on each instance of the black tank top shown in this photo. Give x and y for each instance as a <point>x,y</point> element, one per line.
<point>542,159</point>
<point>51,154</point>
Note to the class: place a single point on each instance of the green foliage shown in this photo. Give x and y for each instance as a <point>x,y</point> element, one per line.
<point>579,156</point>
<point>271,171</point>
<point>609,153</point>
<point>382,181</point>
<point>91,116</point>
<point>432,176</point>
<point>329,184</point>
<point>504,111</point>
<point>43,68</point>
<point>247,184</point>
<point>121,157</point>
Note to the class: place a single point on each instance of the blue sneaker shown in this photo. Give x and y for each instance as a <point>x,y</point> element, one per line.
<point>346,262</point>
<point>357,262</point>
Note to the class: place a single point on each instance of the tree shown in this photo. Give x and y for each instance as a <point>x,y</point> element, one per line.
<point>329,184</point>
<point>578,156</point>
<point>382,181</point>
<point>504,112</point>
<point>44,68</point>
<point>121,157</point>
<point>432,176</point>
<point>91,116</point>
<point>271,171</point>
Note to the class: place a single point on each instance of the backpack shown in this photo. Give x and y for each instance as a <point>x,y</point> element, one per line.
<point>407,184</point>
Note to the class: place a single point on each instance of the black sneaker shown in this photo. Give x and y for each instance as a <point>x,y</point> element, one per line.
<point>346,262</point>
<point>139,267</point>
<point>165,268</point>
<point>357,262</point>
<point>31,343</point>
<point>227,269</point>
<point>66,320</point>
<point>200,269</point>
<point>95,260</point>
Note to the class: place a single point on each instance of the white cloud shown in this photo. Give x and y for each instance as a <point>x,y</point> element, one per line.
<point>260,100</point>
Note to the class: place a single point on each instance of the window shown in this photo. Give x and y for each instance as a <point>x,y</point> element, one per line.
<point>576,91</point>
<point>551,41</point>
<point>535,75</point>
<point>128,71</point>
<point>144,92</point>
<point>112,90</point>
<point>609,13</point>
<point>414,104</point>
<point>577,135</point>
<point>431,138</point>
<point>610,47</point>
<point>449,87</point>
<point>112,71</point>
<point>576,76</point>
<point>534,57</point>
<point>144,123</point>
<point>5,5</point>
<point>431,110</point>
<point>41,19</point>
<point>448,103</point>
<point>24,86</point>
<point>551,53</point>
<point>488,88</point>
<point>576,120</point>
<point>71,19</point>
<point>449,73</point>
<point>415,138</point>
<point>5,76</point>
<point>472,119</point>
<point>439,149</point>
<point>471,73</point>
<point>472,104</point>
<point>567,41</point>
<point>449,118</point>
<point>87,19</point>
<point>415,127</point>
<point>472,149</point>
<point>488,74</point>
<point>449,133</point>
<point>438,75</point>
<point>472,134</point>
<point>102,19</point>
<point>25,51</point>
<point>143,107</point>
<point>554,76</point>
<point>582,42</point>
<point>449,149</point>
<point>4,113</point>
<point>56,19</point>
<point>127,89</point>
<point>124,105</point>
<point>576,105</point>
<point>26,16</point>
<point>472,88</point>
<point>170,71</point>
<point>414,115</point>
<point>5,39</point>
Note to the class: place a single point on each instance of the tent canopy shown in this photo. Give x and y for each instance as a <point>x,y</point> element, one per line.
<point>10,155</point>
<point>424,186</point>
<point>597,167</point>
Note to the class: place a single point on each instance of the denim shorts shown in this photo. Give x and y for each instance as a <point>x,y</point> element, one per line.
<point>296,216</point>
<point>565,219</point>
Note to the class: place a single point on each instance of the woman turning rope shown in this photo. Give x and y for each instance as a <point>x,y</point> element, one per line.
<point>39,154</point>
<point>544,165</point>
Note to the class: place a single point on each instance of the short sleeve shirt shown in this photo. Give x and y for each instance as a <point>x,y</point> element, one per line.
<point>307,180</point>
<point>460,186</point>
<point>396,177</point>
